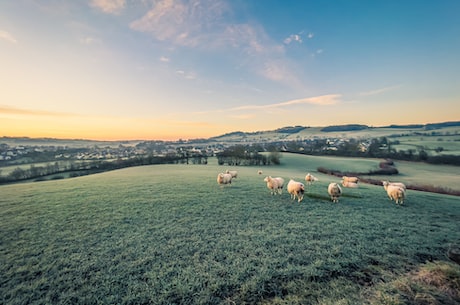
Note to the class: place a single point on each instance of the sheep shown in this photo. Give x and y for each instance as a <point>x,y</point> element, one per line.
<point>296,189</point>
<point>395,190</point>
<point>349,184</point>
<point>335,191</point>
<point>309,178</point>
<point>396,193</point>
<point>233,173</point>
<point>224,178</point>
<point>350,179</point>
<point>260,172</point>
<point>400,184</point>
<point>275,185</point>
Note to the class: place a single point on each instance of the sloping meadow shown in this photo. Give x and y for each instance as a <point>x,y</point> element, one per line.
<point>169,234</point>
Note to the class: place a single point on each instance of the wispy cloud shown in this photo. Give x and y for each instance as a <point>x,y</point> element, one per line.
<point>185,23</point>
<point>7,110</point>
<point>187,75</point>
<point>206,25</point>
<point>242,116</point>
<point>379,91</point>
<point>164,59</point>
<point>89,40</point>
<point>297,37</point>
<point>109,6</point>
<point>322,100</point>
<point>6,36</point>
<point>292,38</point>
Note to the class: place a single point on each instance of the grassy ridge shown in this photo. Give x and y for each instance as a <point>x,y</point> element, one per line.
<point>168,234</point>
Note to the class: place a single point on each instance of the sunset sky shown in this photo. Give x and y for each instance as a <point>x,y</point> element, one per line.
<point>170,69</point>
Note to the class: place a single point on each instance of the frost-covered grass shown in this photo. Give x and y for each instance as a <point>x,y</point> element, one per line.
<point>168,234</point>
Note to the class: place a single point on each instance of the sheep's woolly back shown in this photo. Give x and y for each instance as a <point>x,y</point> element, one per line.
<point>350,179</point>
<point>224,178</point>
<point>274,184</point>
<point>396,193</point>
<point>280,182</point>
<point>233,173</point>
<point>349,184</point>
<point>386,183</point>
<point>309,178</point>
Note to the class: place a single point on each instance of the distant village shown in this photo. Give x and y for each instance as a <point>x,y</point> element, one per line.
<point>24,154</point>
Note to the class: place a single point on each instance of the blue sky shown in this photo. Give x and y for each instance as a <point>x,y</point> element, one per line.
<point>169,69</point>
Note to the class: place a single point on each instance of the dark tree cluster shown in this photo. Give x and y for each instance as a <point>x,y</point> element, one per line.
<point>245,155</point>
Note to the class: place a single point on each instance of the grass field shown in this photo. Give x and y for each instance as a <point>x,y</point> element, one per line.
<point>168,234</point>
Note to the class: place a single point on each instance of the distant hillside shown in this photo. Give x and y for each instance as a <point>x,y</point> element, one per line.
<point>290,129</point>
<point>349,127</point>
<point>427,126</point>
<point>442,125</point>
<point>360,130</point>
<point>236,134</point>
<point>405,126</point>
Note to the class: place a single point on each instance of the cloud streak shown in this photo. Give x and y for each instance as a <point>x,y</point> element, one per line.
<point>89,40</point>
<point>6,36</point>
<point>7,110</point>
<point>109,6</point>
<point>379,91</point>
<point>322,100</point>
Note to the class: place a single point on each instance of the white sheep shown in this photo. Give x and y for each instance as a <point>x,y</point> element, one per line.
<point>275,185</point>
<point>395,190</point>
<point>335,191</point>
<point>309,178</point>
<point>296,189</point>
<point>350,179</point>
<point>260,172</point>
<point>400,184</point>
<point>396,193</point>
<point>224,178</point>
<point>233,173</point>
<point>349,184</point>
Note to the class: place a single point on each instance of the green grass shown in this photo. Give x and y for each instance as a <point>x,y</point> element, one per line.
<point>168,234</point>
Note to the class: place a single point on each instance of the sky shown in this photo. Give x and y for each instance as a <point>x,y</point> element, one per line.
<point>187,69</point>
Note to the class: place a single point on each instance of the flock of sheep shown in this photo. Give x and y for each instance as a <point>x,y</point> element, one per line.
<point>395,190</point>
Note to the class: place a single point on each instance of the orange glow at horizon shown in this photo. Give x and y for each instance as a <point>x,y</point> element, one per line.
<point>102,129</point>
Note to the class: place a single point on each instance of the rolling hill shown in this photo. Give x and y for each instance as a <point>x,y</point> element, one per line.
<point>349,130</point>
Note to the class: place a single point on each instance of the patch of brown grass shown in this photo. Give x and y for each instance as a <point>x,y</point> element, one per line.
<point>433,283</point>
<point>443,277</point>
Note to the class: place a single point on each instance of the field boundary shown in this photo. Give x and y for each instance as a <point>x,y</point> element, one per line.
<point>415,187</point>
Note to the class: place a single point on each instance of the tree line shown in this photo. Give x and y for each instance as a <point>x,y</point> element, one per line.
<point>247,155</point>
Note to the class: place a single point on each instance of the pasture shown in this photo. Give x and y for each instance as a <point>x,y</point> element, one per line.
<point>168,234</point>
